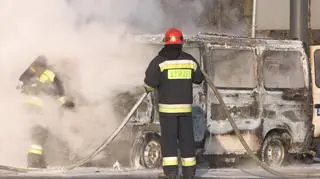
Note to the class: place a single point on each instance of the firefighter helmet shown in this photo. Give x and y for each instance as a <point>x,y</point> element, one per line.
<point>38,65</point>
<point>40,61</point>
<point>173,36</point>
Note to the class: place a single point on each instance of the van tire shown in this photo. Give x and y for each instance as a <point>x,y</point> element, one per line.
<point>274,151</point>
<point>140,153</point>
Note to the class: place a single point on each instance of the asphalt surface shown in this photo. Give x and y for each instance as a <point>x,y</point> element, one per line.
<point>226,173</point>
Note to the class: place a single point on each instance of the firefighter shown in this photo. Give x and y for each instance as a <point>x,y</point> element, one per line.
<point>36,82</point>
<point>171,75</point>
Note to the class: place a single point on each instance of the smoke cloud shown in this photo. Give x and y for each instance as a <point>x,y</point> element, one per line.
<point>86,43</point>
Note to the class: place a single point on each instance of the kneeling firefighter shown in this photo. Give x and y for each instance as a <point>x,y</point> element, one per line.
<point>171,73</point>
<point>37,82</point>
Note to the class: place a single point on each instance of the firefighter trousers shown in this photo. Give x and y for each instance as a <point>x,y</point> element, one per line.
<point>177,133</point>
<point>36,155</point>
<point>38,135</point>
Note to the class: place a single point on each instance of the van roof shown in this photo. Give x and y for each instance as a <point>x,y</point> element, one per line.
<point>223,40</point>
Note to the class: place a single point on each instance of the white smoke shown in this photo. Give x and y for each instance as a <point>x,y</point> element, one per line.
<point>85,41</point>
<point>89,51</point>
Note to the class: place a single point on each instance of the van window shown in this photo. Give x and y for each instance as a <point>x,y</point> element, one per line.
<point>195,52</point>
<point>282,69</point>
<point>232,68</point>
<point>317,67</point>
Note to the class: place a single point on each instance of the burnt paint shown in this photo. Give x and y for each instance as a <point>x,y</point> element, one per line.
<point>290,115</point>
<point>245,111</point>
<point>269,114</point>
<point>295,94</point>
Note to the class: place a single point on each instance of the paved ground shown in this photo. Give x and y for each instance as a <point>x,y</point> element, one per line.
<point>81,173</point>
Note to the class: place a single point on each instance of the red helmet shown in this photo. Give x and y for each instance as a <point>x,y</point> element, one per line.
<point>173,36</point>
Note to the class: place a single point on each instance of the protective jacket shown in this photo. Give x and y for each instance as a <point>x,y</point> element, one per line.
<point>34,84</point>
<point>172,75</point>
<point>47,83</point>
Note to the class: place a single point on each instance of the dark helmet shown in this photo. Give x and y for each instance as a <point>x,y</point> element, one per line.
<point>40,61</point>
<point>38,65</point>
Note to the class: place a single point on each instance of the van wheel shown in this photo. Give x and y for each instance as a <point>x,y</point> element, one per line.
<point>146,152</point>
<point>274,149</point>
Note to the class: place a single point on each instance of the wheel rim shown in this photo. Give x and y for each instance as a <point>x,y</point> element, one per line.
<point>152,154</point>
<point>274,153</point>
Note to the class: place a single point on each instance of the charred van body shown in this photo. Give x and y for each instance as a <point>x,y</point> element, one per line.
<point>266,86</point>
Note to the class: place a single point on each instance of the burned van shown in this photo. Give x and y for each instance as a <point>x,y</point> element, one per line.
<point>267,87</point>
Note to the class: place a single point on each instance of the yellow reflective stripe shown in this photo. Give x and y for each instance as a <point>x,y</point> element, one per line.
<point>169,161</point>
<point>47,76</point>
<point>188,162</point>
<point>34,100</point>
<point>175,108</point>
<point>36,149</point>
<point>148,88</point>
<point>177,64</point>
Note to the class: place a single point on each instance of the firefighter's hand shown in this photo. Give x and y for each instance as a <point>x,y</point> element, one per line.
<point>19,86</point>
<point>69,104</point>
<point>148,89</point>
<point>66,103</point>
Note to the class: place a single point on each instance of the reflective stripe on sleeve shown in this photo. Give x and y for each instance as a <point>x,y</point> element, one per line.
<point>188,162</point>
<point>169,161</point>
<point>47,76</point>
<point>175,108</point>
<point>178,64</point>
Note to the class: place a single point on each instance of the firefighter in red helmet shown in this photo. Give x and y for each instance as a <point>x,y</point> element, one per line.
<point>171,74</point>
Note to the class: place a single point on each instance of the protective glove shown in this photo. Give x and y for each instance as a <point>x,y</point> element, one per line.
<point>66,103</point>
<point>69,104</point>
<point>148,89</point>
<point>19,85</point>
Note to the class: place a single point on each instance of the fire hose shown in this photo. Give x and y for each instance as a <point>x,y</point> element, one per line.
<point>97,150</point>
<point>245,144</point>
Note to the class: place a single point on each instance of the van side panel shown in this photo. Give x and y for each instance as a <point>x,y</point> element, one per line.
<point>285,101</point>
<point>234,72</point>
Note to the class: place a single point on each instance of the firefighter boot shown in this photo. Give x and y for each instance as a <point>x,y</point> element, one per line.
<point>36,161</point>
<point>188,172</point>
<point>36,157</point>
<point>187,177</point>
<point>163,176</point>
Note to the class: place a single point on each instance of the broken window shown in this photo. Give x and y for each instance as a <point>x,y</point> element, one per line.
<point>317,67</point>
<point>282,69</point>
<point>232,68</point>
